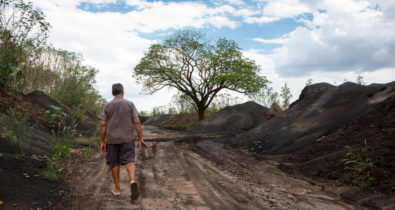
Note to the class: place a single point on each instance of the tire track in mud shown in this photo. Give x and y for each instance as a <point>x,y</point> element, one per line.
<point>197,175</point>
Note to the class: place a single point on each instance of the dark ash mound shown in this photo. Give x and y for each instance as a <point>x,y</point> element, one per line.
<point>181,121</point>
<point>22,181</point>
<point>320,110</point>
<point>158,120</point>
<point>323,159</point>
<point>86,127</point>
<point>233,119</point>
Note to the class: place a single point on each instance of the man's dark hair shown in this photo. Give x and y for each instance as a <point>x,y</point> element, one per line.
<point>117,89</point>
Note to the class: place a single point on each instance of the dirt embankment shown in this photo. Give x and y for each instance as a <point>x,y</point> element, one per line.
<point>22,180</point>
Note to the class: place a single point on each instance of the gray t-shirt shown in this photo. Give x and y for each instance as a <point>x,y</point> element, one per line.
<point>118,115</point>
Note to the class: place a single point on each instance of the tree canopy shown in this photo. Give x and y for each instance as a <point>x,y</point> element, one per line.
<point>29,63</point>
<point>198,68</point>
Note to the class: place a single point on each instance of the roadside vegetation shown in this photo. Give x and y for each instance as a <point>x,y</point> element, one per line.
<point>29,63</point>
<point>360,167</point>
<point>15,128</point>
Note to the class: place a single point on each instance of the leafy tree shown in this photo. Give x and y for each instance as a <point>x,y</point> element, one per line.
<point>198,68</point>
<point>22,30</point>
<point>266,97</point>
<point>286,95</point>
<point>309,82</point>
<point>360,80</point>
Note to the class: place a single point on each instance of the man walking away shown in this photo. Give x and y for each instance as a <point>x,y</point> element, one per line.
<point>118,128</point>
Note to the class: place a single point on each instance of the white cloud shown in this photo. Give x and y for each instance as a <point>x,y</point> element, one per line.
<point>285,8</point>
<point>281,40</point>
<point>350,36</point>
<point>235,2</point>
<point>110,41</point>
<point>262,19</point>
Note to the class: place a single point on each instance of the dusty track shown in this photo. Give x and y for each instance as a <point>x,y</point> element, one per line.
<point>197,175</point>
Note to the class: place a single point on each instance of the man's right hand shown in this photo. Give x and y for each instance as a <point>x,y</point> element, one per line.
<point>142,144</point>
<point>103,149</point>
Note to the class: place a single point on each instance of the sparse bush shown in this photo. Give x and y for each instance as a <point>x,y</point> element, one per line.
<point>360,80</point>
<point>360,167</point>
<point>61,150</point>
<point>56,116</point>
<point>286,96</point>
<point>266,96</point>
<point>77,113</point>
<point>62,133</point>
<point>309,81</point>
<point>52,170</point>
<point>87,151</point>
<point>91,141</point>
<point>144,113</point>
<point>23,29</point>
<point>15,127</point>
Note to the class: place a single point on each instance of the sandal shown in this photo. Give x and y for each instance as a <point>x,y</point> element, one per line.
<point>134,191</point>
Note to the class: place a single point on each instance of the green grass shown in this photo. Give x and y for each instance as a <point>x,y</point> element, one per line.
<point>360,168</point>
<point>87,151</point>
<point>15,128</point>
<point>77,113</point>
<point>84,141</point>
<point>52,170</point>
<point>61,150</point>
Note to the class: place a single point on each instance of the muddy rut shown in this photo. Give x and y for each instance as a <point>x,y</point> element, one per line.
<point>197,175</point>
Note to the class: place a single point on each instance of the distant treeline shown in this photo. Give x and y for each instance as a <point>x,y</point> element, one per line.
<point>28,62</point>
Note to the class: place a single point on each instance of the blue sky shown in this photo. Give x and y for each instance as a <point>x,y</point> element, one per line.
<point>292,40</point>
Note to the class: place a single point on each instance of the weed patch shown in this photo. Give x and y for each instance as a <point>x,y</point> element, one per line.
<point>92,141</point>
<point>87,152</point>
<point>360,167</point>
<point>52,170</point>
<point>77,113</point>
<point>15,128</point>
<point>61,150</point>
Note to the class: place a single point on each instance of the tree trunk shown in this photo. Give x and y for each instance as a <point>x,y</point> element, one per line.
<point>201,113</point>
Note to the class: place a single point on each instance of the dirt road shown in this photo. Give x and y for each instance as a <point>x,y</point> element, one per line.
<point>197,175</point>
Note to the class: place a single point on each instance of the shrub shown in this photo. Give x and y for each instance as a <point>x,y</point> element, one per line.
<point>92,141</point>
<point>52,170</point>
<point>62,133</point>
<point>15,127</point>
<point>360,167</point>
<point>61,150</point>
<point>77,113</point>
<point>57,117</point>
<point>87,151</point>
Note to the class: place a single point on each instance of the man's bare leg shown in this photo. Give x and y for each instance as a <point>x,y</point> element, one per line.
<point>115,176</point>
<point>133,185</point>
<point>130,168</point>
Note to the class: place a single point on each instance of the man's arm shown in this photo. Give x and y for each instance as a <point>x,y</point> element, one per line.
<point>137,124</point>
<point>102,137</point>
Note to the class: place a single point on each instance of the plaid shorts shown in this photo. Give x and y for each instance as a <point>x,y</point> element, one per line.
<point>120,154</point>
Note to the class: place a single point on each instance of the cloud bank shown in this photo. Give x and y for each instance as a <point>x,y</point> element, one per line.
<point>332,40</point>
